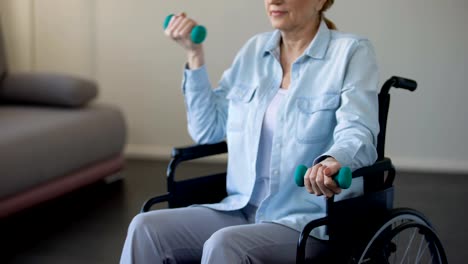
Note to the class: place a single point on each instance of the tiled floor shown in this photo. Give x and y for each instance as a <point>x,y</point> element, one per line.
<point>89,226</point>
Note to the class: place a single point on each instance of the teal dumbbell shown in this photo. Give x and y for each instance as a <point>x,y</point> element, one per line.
<point>342,178</point>
<point>197,35</point>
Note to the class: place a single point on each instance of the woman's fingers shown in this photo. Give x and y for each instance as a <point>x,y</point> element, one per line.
<point>329,181</point>
<point>307,182</point>
<point>319,178</point>
<point>332,167</point>
<point>310,180</point>
<point>178,25</point>
<point>331,185</point>
<point>185,28</point>
<point>179,30</point>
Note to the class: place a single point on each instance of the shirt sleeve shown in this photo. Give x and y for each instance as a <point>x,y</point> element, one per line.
<point>355,136</point>
<point>206,107</point>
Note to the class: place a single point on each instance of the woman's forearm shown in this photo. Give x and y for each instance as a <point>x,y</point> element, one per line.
<point>196,58</point>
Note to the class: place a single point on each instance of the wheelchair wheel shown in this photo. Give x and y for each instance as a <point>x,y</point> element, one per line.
<point>405,237</point>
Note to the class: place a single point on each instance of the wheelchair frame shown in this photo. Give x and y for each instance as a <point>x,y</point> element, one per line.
<point>376,203</point>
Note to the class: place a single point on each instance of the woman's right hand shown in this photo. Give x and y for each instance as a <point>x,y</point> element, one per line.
<point>179,30</point>
<point>318,179</point>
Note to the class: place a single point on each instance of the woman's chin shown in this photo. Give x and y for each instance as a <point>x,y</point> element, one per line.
<point>278,25</point>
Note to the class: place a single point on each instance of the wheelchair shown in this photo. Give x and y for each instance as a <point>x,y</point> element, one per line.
<point>364,229</point>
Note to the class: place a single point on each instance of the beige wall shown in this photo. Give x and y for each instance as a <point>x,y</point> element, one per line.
<point>51,35</point>
<point>64,36</point>
<point>120,43</point>
<point>17,26</point>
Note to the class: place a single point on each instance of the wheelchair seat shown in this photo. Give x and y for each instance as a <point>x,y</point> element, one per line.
<point>364,229</point>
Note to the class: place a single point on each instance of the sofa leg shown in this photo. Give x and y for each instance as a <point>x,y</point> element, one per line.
<point>118,176</point>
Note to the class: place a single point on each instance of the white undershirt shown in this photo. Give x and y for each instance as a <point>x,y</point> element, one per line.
<point>262,182</point>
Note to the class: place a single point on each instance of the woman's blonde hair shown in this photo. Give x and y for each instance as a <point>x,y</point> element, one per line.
<point>326,6</point>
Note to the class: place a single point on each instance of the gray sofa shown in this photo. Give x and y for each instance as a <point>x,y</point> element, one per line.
<point>53,138</point>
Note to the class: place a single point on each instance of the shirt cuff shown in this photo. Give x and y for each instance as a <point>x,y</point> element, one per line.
<point>321,158</point>
<point>195,80</point>
<point>338,155</point>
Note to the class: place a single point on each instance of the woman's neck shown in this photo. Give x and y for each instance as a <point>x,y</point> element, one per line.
<point>294,42</point>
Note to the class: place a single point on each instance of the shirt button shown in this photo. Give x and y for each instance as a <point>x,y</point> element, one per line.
<point>275,172</point>
<point>278,145</point>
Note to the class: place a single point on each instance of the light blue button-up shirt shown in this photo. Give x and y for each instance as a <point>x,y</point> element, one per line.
<point>331,109</point>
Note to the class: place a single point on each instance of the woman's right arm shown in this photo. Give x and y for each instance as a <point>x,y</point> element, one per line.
<point>179,29</point>
<point>206,107</point>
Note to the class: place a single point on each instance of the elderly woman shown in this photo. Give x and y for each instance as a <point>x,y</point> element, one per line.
<point>302,94</point>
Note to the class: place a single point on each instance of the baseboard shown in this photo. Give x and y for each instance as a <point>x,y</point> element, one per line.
<point>430,165</point>
<point>135,151</point>
<point>401,163</point>
<point>152,152</point>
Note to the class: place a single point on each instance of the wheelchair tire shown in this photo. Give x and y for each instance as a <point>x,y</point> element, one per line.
<point>406,236</point>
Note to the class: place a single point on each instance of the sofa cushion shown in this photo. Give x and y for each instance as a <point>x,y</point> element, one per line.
<point>47,89</point>
<point>38,144</point>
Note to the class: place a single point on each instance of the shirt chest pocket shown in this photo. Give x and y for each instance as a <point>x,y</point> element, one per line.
<point>240,98</point>
<point>315,117</point>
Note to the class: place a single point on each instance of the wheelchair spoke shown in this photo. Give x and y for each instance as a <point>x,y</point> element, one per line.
<point>408,247</point>
<point>416,251</point>
<point>397,242</point>
<point>433,255</point>
<point>397,239</point>
<point>421,253</point>
<point>409,234</point>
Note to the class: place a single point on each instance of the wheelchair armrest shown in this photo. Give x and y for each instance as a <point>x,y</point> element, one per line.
<point>198,151</point>
<point>379,167</point>
<point>181,154</point>
<point>154,200</point>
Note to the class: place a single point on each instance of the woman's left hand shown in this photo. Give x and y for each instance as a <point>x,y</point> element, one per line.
<point>318,179</point>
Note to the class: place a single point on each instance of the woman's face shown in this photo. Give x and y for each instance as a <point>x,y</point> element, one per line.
<point>287,15</point>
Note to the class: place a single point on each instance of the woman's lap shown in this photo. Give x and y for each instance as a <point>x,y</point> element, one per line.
<point>183,235</point>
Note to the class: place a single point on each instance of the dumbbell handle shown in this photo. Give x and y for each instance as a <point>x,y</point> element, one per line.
<point>342,178</point>
<point>197,35</point>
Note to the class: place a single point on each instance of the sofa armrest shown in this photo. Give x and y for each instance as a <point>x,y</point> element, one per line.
<point>48,89</point>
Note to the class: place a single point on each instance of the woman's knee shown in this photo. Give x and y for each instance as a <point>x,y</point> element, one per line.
<point>223,239</point>
<point>139,222</point>
<point>148,223</point>
<point>143,241</point>
<point>215,239</point>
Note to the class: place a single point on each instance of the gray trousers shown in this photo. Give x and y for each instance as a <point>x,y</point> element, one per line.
<point>203,235</point>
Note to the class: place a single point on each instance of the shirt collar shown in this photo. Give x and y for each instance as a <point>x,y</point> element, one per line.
<point>317,48</point>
